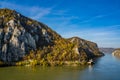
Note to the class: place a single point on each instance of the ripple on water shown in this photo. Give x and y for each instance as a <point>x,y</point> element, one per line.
<point>106,68</point>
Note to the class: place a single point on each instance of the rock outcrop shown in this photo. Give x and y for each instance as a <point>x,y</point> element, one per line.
<point>85,48</point>
<point>19,35</point>
<point>116,53</point>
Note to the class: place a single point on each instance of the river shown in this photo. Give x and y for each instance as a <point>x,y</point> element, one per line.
<point>106,68</point>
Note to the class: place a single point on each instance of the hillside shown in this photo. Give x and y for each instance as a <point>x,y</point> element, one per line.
<point>24,41</point>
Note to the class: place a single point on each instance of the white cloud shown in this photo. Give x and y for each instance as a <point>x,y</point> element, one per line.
<point>93,18</point>
<point>34,12</point>
<point>105,31</point>
<point>60,12</point>
<point>37,12</point>
<point>99,16</point>
<point>40,12</point>
<point>107,36</point>
<point>61,21</point>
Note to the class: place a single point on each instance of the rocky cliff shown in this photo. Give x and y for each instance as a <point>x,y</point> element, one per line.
<point>116,53</point>
<point>19,35</point>
<point>85,48</point>
<point>22,38</point>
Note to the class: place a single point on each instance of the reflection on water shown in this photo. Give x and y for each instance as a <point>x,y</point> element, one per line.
<point>90,68</point>
<point>106,68</point>
<point>116,56</point>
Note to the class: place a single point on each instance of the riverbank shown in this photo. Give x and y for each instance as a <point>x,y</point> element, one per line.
<point>46,63</point>
<point>105,68</point>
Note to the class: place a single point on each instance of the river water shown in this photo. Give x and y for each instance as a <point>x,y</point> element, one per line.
<point>106,68</point>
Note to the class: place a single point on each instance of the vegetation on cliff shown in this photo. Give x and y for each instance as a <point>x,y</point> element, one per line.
<point>24,41</point>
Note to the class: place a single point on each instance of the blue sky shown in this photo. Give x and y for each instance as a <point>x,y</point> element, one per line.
<point>94,20</point>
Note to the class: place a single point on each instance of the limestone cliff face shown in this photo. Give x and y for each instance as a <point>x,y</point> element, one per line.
<point>85,48</point>
<point>19,35</point>
<point>116,53</point>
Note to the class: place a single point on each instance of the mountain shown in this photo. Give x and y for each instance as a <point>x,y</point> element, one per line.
<point>84,47</point>
<point>107,50</point>
<point>26,41</point>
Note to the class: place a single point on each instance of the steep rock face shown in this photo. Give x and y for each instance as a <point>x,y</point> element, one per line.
<point>22,38</point>
<point>85,48</point>
<point>19,35</point>
<point>116,53</point>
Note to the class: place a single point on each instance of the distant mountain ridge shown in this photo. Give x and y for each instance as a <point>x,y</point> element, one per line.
<point>107,50</point>
<point>27,40</point>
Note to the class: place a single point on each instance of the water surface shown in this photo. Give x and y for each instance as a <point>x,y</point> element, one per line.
<point>106,68</point>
